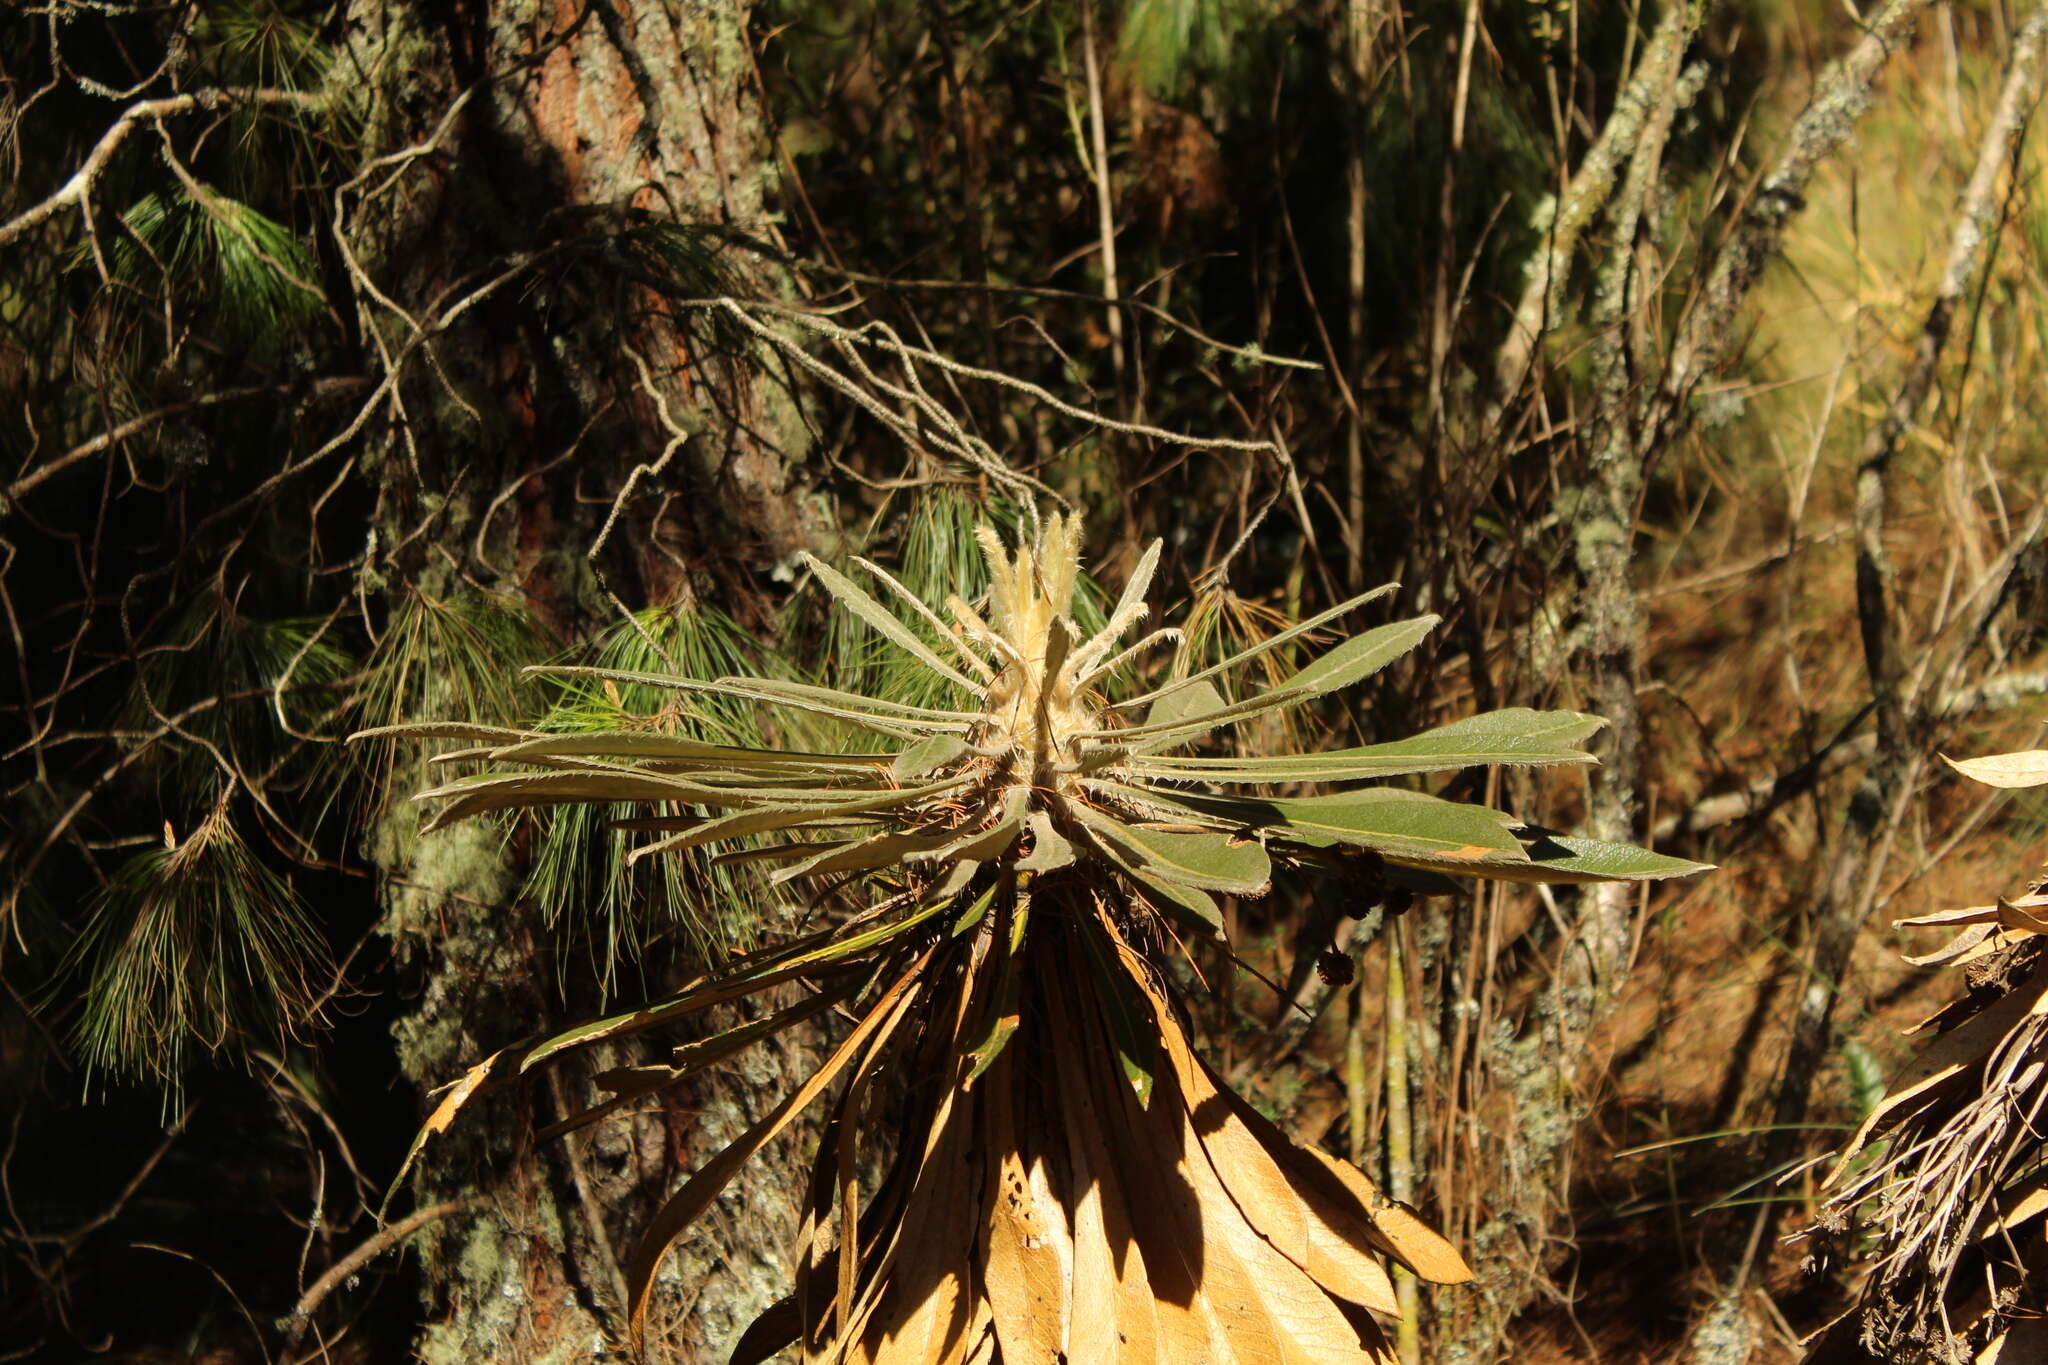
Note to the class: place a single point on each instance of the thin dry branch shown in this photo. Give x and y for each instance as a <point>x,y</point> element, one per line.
<point>77,191</point>
<point>1901,718</point>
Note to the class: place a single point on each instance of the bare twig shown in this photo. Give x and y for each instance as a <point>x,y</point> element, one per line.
<point>78,189</point>
<point>382,1241</point>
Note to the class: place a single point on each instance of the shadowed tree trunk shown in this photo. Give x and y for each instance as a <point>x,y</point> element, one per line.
<point>566,435</point>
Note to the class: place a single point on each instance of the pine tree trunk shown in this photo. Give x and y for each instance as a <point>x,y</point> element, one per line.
<point>511,134</point>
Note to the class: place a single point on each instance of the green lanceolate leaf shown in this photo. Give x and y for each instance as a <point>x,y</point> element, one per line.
<point>926,756</point>
<point>1125,1010</point>
<point>886,718</point>
<point>1193,908</point>
<point>886,850</point>
<point>1197,858</point>
<point>1359,657</point>
<point>1514,736</point>
<point>652,746</point>
<point>1003,1013</point>
<point>792,815</point>
<point>1562,858</point>
<point>1271,642</point>
<point>1399,825</point>
<point>1179,732</point>
<point>1173,714</point>
<point>1349,663</point>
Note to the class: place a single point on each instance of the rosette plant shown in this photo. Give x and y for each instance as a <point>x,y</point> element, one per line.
<point>1068,1179</point>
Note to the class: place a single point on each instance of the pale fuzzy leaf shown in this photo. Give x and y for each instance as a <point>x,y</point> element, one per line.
<point>776,853</point>
<point>779,691</point>
<point>782,817</point>
<point>1172,714</point>
<point>856,600</point>
<point>921,758</point>
<point>524,791</point>
<point>987,844</point>
<point>1049,850</point>
<point>885,850</point>
<point>2028,768</point>
<point>847,706</point>
<point>647,744</point>
<point>1129,610</point>
<point>444,729</point>
<point>917,604</point>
